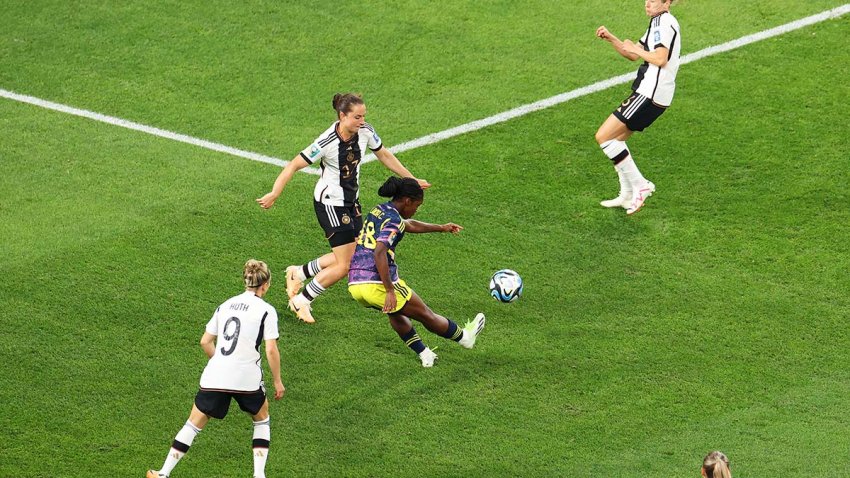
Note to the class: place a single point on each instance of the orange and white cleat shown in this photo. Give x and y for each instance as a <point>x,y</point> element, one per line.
<point>154,474</point>
<point>293,282</point>
<point>301,308</point>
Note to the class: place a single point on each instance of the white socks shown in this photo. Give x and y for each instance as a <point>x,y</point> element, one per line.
<point>260,447</point>
<point>631,173</point>
<point>181,445</point>
<point>313,290</point>
<point>627,171</point>
<point>312,268</point>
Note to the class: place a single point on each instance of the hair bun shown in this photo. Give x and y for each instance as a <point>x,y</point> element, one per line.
<point>390,187</point>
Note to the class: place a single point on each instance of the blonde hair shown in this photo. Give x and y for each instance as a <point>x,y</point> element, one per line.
<point>256,274</point>
<point>716,465</point>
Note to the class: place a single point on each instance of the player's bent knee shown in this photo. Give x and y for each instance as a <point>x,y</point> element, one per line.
<point>600,137</point>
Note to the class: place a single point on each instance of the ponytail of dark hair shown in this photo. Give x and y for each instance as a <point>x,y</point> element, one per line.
<point>343,102</point>
<point>397,188</point>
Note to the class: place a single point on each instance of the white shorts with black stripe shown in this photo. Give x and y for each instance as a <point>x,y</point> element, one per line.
<point>638,112</point>
<point>341,224</point>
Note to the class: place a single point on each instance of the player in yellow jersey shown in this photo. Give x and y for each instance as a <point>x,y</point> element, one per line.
<point>373,271</point>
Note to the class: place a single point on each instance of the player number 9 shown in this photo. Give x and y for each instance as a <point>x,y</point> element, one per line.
<point>234,336</point>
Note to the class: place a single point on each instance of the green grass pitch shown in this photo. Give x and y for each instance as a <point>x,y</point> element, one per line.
<point>716,318</point>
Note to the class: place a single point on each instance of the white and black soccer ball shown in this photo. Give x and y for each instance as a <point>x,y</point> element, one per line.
<point>506,285</point>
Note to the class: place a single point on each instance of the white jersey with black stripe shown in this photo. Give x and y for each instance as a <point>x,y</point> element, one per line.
<point>241,325</point>
<point>659,84</point>
<point>339,184</point>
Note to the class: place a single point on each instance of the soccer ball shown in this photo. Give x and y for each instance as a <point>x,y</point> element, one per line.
<point>506,286</point>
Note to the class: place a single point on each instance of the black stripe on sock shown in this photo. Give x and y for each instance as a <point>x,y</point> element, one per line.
<point>180,446</point>
<point>260,443</point>
<point>620,157</point>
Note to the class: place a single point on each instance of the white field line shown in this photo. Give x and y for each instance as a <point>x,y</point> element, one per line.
<point>143,128</point>
<point>451,132</point>
<point>605,84</point>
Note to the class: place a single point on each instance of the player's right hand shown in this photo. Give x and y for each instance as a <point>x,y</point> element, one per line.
<point>279,390</point>
<point>267,201</point>
<point>603,33</point>
<point>389,303</point>
<point>453,228</point>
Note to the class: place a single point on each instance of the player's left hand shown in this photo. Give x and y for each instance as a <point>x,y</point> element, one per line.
<point>267,201</point>
<point>452,227</point>
<point>423,183</point>
<point>279,390</point>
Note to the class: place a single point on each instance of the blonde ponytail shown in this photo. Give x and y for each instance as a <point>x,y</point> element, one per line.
<point>256,273</point>
<point>716,465</point>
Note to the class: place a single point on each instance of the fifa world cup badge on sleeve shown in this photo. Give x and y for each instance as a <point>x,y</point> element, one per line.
<point>314,150</point>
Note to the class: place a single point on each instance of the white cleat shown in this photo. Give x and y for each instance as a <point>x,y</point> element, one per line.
<point>640,196</point>
<point>471,331</point>
<point>428,357</point>
<point>619,201</point>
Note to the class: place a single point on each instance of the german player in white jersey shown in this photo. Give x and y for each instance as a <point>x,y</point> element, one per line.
<point>336,197</point>
<point>652,93</point>
<point>232,341</point>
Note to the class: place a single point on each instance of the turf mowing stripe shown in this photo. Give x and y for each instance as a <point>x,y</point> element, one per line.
<point>451,132</point>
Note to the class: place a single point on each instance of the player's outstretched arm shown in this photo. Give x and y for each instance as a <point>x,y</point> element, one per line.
<point>298,163</point>
<point>388,159</point>
<point>419,227</point>
<point>273,356</point>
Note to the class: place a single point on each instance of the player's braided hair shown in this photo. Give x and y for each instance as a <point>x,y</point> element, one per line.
<point>716,465</point>
<point>397,188</point>
<point>343,102</point>
<point>256,273</point>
